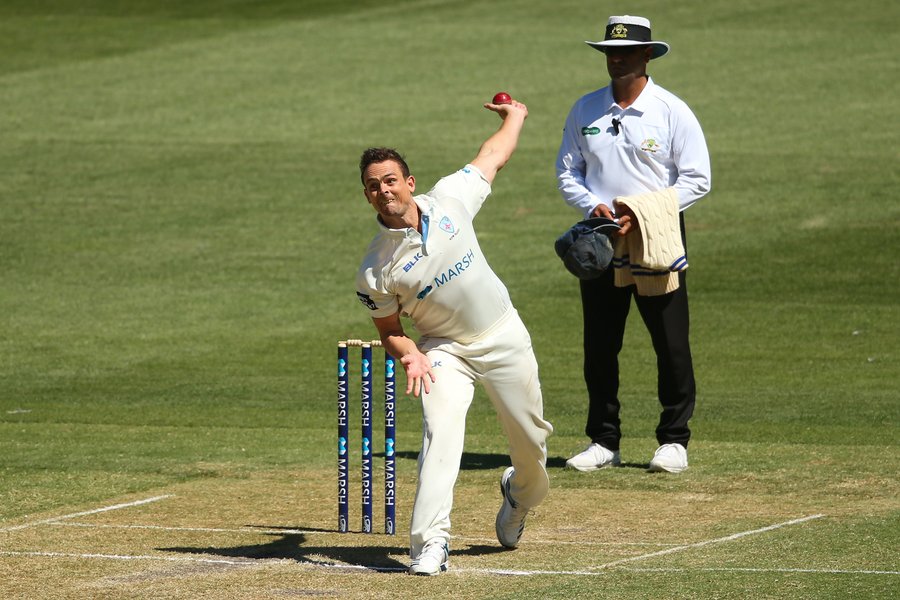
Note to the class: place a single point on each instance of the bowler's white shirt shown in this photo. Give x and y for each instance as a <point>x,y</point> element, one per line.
<point>660,144</point>
<point>439,278</point>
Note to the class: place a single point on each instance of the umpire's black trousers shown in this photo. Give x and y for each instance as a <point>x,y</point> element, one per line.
<point>666,317</point>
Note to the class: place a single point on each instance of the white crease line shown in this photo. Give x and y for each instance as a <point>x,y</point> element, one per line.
<point>129,557</point>
<point>758,570</point>
<point>87,512</point>
<point>320,532</point>
<point>563,542</point>
<point>463,571</point>
<point>592,571</point>
<point>189,529</point>
<point>727,538</point>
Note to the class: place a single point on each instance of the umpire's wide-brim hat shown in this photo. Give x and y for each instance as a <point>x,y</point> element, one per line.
<point>586,249</point>
<point>629,31</point>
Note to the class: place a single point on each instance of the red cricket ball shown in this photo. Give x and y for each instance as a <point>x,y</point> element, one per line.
<point>502,98</point>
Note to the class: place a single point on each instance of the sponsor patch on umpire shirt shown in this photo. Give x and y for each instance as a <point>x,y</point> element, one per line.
<point>367,300</point>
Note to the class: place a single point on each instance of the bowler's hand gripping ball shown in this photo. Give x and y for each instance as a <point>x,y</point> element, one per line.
<point>502,98</point>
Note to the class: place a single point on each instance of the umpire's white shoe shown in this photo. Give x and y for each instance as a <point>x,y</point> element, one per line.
<point>511,518</point>
<point>669,457</point>
<point>594,457</point>
<point>433,559</point>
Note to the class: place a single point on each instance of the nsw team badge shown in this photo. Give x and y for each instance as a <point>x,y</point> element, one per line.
<point>447,226</point>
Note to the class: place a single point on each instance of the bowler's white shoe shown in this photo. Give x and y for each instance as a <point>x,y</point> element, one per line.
<point>511,518</point>
<point>669,457</point>
<point>434,558</point>
<point>594,457</point>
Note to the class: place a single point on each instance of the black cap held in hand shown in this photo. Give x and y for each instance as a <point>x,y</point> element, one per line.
<point>586,249</point>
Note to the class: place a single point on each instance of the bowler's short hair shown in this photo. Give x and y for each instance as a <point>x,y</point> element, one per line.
<point>378,155</point>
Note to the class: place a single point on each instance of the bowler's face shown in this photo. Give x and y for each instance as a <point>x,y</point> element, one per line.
<point>388,191</point>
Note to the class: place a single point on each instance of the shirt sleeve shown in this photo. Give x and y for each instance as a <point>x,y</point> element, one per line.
<point>371,290</point>
<point>691,157</point>
<point>571,168</point>
<point>468,186</point>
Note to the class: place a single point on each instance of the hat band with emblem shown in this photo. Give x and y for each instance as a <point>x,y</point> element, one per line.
<point>627,30</point>
<point>634,33</point>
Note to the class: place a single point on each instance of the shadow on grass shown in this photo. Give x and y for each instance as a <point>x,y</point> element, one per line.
<point>633,465</point>
<point>479,550</point>
<point>474,461</point>
<point>295,546</point>
<point>294,543</point>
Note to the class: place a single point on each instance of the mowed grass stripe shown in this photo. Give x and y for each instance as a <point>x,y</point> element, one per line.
<point>181,226</point>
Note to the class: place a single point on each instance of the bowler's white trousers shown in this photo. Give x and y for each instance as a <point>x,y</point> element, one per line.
<point>503,361</point>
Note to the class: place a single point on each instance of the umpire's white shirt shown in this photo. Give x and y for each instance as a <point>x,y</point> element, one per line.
<point>655,143</point>
<point>428,276</point>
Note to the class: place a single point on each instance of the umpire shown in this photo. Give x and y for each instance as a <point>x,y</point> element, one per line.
<point>629,138</point>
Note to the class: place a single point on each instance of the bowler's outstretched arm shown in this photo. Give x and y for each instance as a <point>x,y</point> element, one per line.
<point>497,149</point>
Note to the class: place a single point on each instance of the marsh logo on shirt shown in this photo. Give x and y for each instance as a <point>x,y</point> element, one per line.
<point>367,300</point>
<point>456,270</point>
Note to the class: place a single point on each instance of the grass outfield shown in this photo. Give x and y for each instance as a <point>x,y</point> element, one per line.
<point>182,221</point>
